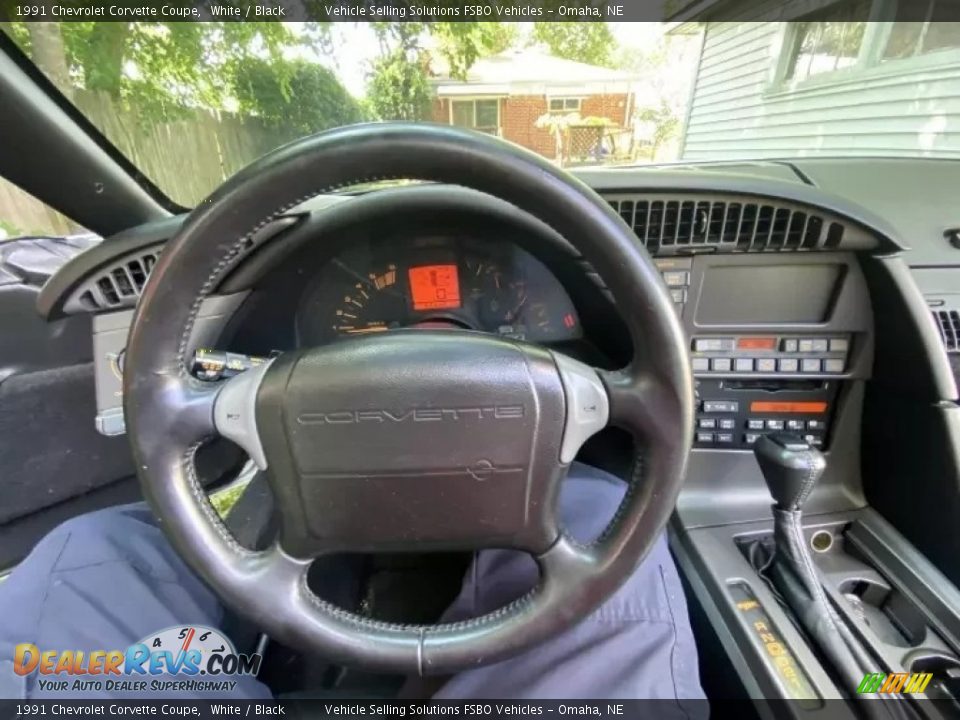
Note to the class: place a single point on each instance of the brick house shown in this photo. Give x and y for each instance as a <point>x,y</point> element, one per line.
<point>505,94</point>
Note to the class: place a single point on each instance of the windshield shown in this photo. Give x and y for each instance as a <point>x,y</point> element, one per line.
<point>191,103</point>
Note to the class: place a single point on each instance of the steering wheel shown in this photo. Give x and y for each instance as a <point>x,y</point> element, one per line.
<point>410,440</point>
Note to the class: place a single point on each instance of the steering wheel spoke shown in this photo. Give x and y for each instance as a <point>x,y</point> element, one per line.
<point>587,404</point>
<point>190,403</point>
<point>235,412</point>
<point>643,402</point>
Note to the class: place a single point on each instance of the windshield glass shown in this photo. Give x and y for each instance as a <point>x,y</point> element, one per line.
<point>191,103</point>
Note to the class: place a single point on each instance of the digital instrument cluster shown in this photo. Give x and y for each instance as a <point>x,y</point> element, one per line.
<point>443,283</point>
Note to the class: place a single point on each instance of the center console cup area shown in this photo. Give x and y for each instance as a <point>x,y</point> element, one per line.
<point>830,607</point>
<point>850,614</point>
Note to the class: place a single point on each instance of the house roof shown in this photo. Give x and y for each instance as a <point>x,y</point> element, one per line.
<point>533,69</point>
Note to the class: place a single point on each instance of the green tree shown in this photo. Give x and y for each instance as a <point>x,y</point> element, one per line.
<point>308,99</point>
<point>462,44</point>
<point>399,88</point>
<point>663,69</point>
<point>159,68</point>
<point>49,53</point>
<point>399,85</point>
<point>665,122</point>
<point>587,42</point>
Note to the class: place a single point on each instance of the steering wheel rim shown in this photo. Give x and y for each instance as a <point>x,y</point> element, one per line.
<point>170,414</point>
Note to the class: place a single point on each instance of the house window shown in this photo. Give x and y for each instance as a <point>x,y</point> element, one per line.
<point>564,105</point>
<point>909,39</point>
<point>823,43</point>
<point>482,115</point>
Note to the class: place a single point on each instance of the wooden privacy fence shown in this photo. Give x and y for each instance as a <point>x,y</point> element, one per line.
<point>187,158</point>
<point>22,214</point>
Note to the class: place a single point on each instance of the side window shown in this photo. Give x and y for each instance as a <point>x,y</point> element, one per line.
<point>564,105</point>
<point>910,39</point>
<point>21,215</point>
<point>823,43</point>
<point>482,115</point>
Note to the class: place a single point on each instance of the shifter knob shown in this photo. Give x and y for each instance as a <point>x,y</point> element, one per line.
<point>791,467</point>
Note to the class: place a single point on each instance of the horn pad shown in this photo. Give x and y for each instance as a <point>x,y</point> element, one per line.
<point>433,440</point>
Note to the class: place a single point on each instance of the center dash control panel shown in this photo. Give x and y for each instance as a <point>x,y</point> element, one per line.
<point>748,385</point>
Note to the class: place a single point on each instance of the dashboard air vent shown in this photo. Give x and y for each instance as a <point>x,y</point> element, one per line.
<point>948,322</point>
<point>120,284</point>
<point>675,224</point>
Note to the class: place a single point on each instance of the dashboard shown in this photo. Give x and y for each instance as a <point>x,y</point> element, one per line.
<point>436,283</point>
<point>768,280</point>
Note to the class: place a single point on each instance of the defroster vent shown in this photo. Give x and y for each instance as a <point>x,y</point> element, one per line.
<point>678,224</point>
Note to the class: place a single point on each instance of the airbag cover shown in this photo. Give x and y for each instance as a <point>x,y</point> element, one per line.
<point>417,436</point>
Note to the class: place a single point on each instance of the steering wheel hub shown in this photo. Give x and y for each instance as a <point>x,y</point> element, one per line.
<point>413,439</point>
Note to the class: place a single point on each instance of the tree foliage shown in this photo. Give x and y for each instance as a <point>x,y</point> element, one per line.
<point>462,44</point>
<point>158,68</point>
<point>661,102</point>
<point>664,121</point>
<point>308,97</point>
<point>399,83</point>
<point>399,88</point>
<point>587,42</point>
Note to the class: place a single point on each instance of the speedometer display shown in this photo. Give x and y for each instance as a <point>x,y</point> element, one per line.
<point>495,288</point>
<point>367,300</point>
<point>434,287</point>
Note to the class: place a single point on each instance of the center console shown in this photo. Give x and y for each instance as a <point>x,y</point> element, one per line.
<point>784,345</point>
<point>777,342</point>
<point>772,342</point>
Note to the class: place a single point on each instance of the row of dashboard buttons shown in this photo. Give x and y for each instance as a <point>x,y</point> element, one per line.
<point>748,438</point>
<point>769,365</point>
<point>814,440</point>
<point>787,345</point>
<point>760,424</point>
<point>805,345</point>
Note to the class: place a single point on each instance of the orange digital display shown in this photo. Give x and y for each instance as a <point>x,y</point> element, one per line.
<point>762,406</point>
<point>757,343</point>
<point>434,287</point>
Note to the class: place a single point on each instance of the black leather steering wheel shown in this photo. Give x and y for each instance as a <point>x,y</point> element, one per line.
<point>409,440</point>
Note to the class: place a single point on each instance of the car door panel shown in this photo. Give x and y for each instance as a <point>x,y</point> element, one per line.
<point>50,450</point>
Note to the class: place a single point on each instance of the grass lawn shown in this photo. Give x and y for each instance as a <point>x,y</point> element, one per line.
<point>223,500</point>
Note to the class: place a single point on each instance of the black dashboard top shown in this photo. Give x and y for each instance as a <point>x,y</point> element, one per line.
<point>686,212</point>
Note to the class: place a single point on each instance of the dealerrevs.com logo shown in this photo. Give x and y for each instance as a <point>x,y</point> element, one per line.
<point>179,659</point>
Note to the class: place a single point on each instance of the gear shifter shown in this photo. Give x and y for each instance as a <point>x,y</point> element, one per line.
<point>791,468</point>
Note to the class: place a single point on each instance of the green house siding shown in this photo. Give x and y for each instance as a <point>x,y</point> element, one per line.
<point>740,109</point>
